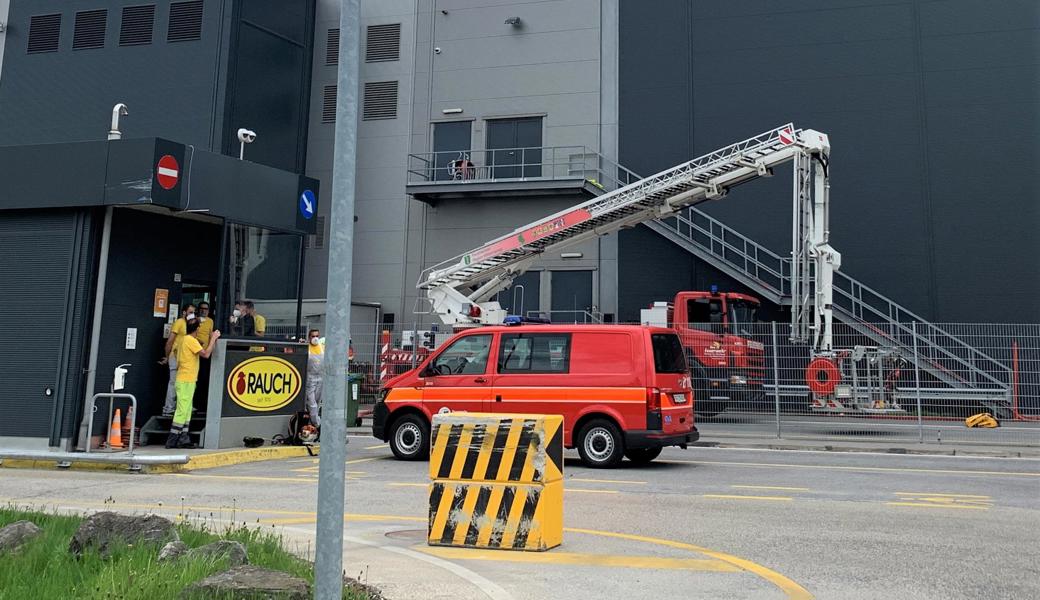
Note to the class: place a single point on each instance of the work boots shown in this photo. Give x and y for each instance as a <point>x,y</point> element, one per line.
<point>184,441</point>
<point>172,440</point>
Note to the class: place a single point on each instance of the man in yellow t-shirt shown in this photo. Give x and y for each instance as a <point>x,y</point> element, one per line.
<point>205,324</point>
<point>188,354</point>
<point>177,331</point>
<point>259,322</point>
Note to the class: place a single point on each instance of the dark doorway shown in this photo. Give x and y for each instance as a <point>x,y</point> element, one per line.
<point>451,141</point>
<point>522,297</point>
<point>571,296</point>
<point>514,147</point>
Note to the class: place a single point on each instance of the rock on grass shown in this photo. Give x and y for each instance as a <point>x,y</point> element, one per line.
<point>103,530</point>
<point>248,581</point>
<point>16,534</point>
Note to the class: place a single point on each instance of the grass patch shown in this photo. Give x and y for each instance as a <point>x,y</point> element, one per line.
<point>44,568</point>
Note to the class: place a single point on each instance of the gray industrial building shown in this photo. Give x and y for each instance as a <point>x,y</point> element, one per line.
<point>932,107</point>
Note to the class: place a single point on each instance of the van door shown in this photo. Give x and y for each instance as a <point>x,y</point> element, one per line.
<point>532,373</point>
<point>458,378</point>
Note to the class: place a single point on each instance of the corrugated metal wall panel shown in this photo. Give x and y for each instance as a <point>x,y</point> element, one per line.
<point>34,277</point>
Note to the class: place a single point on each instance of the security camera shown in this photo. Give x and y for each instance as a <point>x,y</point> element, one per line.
<point>246,136</point>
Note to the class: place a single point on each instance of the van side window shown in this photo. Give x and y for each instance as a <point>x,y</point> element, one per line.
<point>467,356</point>
<point>535,353</point>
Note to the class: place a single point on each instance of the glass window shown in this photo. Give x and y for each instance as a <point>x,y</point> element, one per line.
<point>705,314</point>
<point>668,353</point>
<point>466,356</point>
<point>535,353</point>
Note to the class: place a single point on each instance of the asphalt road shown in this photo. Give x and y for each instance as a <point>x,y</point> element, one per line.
<point>701,523</point>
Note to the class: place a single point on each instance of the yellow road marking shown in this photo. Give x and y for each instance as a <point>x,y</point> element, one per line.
<point>770,487</point>
<point>361,460</point>
<point>402,484</point>
<point>734,497</point>
<point>847,468</point>
<point>606,481</point>
<point>934,505</point>
<point>941,494</point>
<point>584,491</point>
<point>377,447</point>
<point>792,590</point>
<point>583,559</point>
<point>247,478</point>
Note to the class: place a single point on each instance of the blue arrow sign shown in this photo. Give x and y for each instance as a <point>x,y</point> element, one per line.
<point>307,204</point>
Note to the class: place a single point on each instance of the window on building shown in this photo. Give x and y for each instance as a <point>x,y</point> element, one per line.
<point>44,33</point>
<point>328,104</point>
<point>89,30</point>
<point>137,25</point>
<point>514,147</point>
<point>535,353</point>
<point>383,43</point>
<point>185,21</point>
<point>380,100</point>
<point>332,47</point>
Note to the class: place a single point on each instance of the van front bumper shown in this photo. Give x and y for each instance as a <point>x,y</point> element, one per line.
<point>638,439</point>
<point>379,416</point>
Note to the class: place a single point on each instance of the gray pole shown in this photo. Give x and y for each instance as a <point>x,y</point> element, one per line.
<point>917,385</point>
<point>95,328</point>
<point>776,382</point>
<point>328,561</point>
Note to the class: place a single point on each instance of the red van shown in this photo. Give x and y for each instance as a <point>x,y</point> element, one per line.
<point>623,390</point>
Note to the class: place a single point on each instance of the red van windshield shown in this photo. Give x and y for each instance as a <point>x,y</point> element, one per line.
<point>668,353</point>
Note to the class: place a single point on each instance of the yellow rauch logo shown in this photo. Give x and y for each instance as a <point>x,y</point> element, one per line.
<point>264,383</point>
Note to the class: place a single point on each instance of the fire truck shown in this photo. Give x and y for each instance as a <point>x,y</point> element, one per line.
<point>460,291</point>
<point>726,365</point>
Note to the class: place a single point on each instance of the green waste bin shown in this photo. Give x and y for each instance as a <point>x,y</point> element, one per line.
<point>353,398</point>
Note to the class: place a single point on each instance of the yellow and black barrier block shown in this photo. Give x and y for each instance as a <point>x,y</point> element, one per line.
<point>497,481</point>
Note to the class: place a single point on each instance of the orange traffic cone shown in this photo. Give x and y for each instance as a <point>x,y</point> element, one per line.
<point>115,435</point>
<point>128,423</point>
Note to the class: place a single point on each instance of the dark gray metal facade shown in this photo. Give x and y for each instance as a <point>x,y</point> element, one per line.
<point>48,262</point>
<point>933,111</point>
<point>250,68</point>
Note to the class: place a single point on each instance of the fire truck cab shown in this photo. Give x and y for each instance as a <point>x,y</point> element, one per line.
<point>726,365</point>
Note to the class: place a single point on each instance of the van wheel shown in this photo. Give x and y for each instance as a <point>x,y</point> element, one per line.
<point>600,445</point>
<point>410,438</point>
<point>642,456</point>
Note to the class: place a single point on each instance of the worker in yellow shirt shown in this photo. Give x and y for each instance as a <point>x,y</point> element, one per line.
<point>188,355</point>
<point>205,324</point>
<point>259,322</point>
<point>177,331</point>
<point>315,375</point>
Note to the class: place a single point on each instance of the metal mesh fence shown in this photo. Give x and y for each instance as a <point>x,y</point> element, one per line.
<point>880,383</point>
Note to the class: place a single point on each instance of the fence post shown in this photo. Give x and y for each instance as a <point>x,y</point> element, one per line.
<point>776,383</point>
<point>917,385</point>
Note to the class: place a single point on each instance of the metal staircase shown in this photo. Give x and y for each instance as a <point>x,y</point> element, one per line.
<point>947,357</point>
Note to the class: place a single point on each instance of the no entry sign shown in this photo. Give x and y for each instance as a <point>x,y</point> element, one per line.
<point>167,172</point>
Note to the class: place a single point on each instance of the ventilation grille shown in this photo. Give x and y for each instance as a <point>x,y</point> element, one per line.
<point>90,30</point>
<point>332,48</point>
<point>137,25</point>
<point>328,104</point>
<point>316,241</point>
<point>383,43</point>
<point>185,22</point>
<point>380,100</point>
<point>44,33</point>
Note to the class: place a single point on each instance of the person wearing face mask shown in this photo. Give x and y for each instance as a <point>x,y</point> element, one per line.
<point>315,372</point>
<point>241,321</point>
<point>188,354</point>
<point>178,330</point>
<point>205,324</point>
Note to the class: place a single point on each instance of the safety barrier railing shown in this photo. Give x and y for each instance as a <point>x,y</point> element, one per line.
<point>511,164</point>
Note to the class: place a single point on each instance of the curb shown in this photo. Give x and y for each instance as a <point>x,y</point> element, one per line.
<point>197,462</point>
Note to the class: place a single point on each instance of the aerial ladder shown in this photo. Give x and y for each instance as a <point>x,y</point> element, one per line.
<point>459,291</point>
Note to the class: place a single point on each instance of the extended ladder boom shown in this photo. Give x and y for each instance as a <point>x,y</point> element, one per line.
<point>458,288</point>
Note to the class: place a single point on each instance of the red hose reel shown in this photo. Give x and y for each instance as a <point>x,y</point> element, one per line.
<point>822,376</point>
